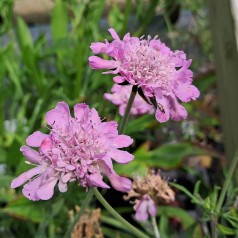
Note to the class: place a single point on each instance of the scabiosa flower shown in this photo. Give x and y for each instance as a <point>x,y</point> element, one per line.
<point>161,75</point>
<point>149,192</point>
<point>120,96</point>
<point>76,149</point>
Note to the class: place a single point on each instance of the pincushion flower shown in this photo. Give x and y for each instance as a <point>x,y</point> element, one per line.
<point>120,96</point>
<point>79,148</point>
<point>161,75</point>
<point>149,192</point>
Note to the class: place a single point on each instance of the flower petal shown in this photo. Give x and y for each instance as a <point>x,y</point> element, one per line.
<point>59,117</point>
<point>31,155</point>
<point>99,63</point>
<point>62,186</point>
<point>98,47</point>
<point>118,79</point>
<point>119,183</point>
<point>95,180</point>
<point>122,141</point>
<point>26,176</point>
<point>186,92</point>
<point>46,191</point>
<point>46,145</point>
<point>36,138</point>
<point>114,34</point>
<point>29,190</point>
<point>120,156</point>
<point>177,111</point>
<point>141,210</point>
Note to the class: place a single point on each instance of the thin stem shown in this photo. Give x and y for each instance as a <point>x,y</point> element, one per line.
<point>155,227</point>
<point>78,215</point>
<point>226,183</point>
<point>213,225</point>
<point>131,228</point>
<point>128,109</point>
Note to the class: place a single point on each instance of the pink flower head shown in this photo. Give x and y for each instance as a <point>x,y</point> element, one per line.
<point>120,96</point>
<point>161,75</point>
<point>79,148</point>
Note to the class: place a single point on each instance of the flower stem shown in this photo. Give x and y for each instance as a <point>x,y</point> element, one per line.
<point>155,227</point>
<point>128,109</point>
<point>78,215</point>
<point>131,228</point>
<point>226,183</point>
<point>213,226</point>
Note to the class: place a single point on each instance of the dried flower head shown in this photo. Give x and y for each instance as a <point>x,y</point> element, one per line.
<point>120,96</point>
<point>148,192</point>
<point>76,149</point>
<point>161,75</point>
<point>88,225</point>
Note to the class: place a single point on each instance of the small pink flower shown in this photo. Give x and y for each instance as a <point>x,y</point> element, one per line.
<point>79,148</point>
<point>161,75</point>
<point>120,96</point>
<point>145,207</point>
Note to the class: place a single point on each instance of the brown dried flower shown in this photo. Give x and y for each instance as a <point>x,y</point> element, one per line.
<point>148,192</point>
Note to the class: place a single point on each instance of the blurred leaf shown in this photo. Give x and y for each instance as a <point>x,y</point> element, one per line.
<point>185,190</point>
<point>59,21</point>
<point>22,208</point>
<point>226,230</point>
<point>204,83</point>
<point>139,124</point>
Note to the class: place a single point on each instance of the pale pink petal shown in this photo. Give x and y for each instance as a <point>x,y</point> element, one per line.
<point>79,110</point>
<point>122,141</point>
<point>141,210</point>
<point>26,176</point>
<point>120,156</point>
<point>186,92</point>
<point>122,109</point>
<point>59,117</point>
<point>118,79</point>
<point>119,183</point>
<point>31,155</point>
<point>29,190</point>
<point>65,178</point>
<point>152,209</point>
<point>98,47</point>
<point>46,146</point>
<point>162,111</point>
<point>99,63</point>
<point>62,186</point>
<point>36,138</point>
<point>114,34</point>
<point>95,180</point>
<point>46,191</point>
<point>177,111</point>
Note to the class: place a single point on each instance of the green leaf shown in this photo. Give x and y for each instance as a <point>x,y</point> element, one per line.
<point>169,156</point>
<point>226,230</point>
<point>185,190</point>
<point>24,209</point>
<point>59,21</point>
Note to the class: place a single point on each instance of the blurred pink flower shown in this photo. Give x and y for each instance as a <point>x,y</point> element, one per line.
<point>120,96</point>
<point>76,149</point>
<point>161,75</point>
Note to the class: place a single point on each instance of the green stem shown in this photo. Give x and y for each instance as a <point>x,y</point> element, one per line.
<point>226,183</point>
<point>155,227</point>
<point>131,228</point>
<point>213,225</point>
<point>128,109</point>
<point>78,215</point>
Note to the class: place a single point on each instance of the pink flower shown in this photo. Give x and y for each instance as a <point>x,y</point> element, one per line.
<point>77,149</point>
<point>145,207</point>
<point>161,75</point>
<point>120,96</point>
